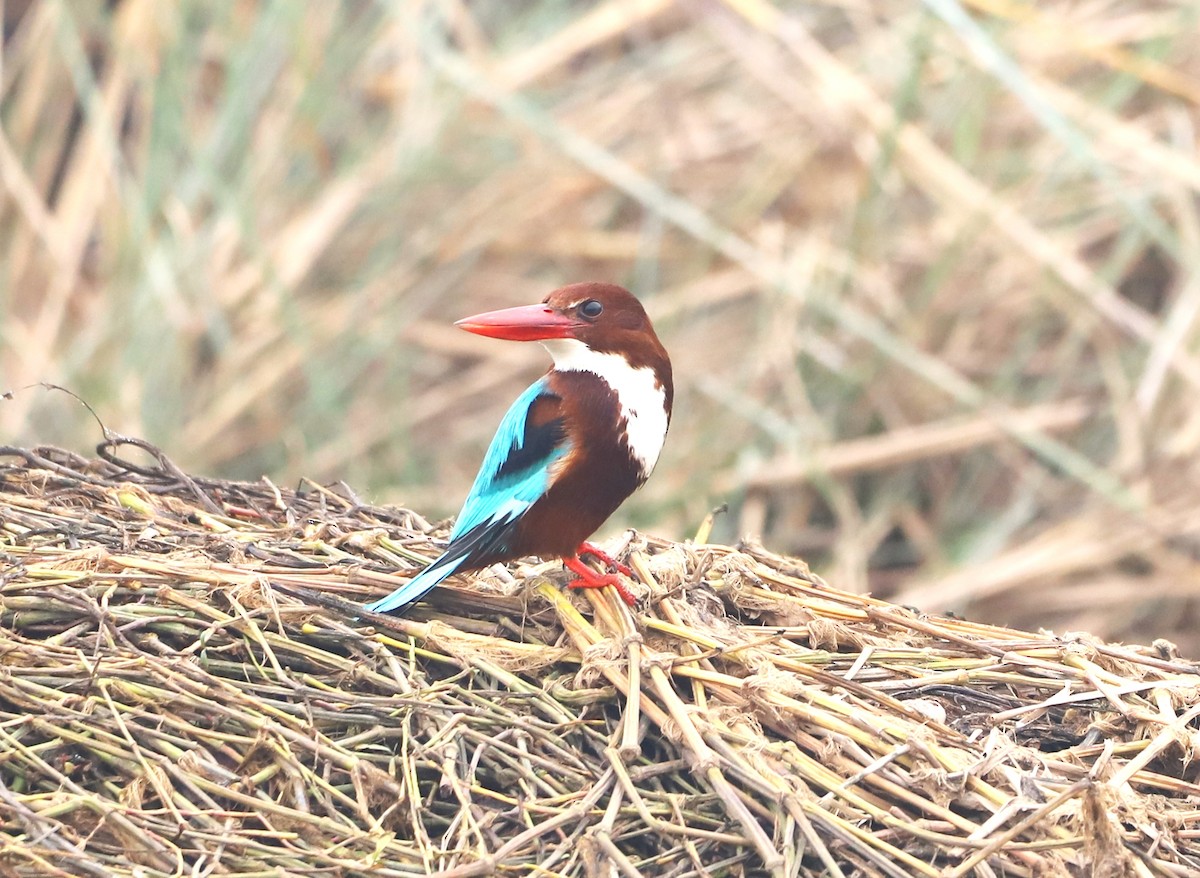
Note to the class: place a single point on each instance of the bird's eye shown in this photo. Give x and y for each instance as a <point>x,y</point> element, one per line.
<point>591,309</point>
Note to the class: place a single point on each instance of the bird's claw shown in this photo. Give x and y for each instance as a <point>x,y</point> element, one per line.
<point>586,548</point>
<point>603,579</point>
<point>586,577</point>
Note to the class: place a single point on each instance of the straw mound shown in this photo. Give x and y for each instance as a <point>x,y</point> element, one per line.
<point>185,689</point>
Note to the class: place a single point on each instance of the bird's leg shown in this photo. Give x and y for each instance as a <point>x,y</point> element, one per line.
<point>586,577</point>
<point>586,548</point>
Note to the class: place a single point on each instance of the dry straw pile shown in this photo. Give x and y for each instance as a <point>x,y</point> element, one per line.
<point>186,690</point>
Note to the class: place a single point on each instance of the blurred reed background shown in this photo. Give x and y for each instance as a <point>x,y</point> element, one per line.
<point>927,270</point>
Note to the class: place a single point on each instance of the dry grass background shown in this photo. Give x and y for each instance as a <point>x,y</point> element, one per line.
<point>927,271</point>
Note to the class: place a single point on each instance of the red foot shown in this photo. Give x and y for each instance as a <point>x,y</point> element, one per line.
<point>589,578</point>
<point>586,548</point>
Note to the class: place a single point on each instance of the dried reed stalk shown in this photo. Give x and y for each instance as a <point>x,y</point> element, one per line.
<point>188,686</point>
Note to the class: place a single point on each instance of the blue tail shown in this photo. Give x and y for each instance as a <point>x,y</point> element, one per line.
<point>412,590</point>
<point>477,547</point>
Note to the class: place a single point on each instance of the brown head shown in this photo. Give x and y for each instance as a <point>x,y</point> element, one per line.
<point>606,318</point>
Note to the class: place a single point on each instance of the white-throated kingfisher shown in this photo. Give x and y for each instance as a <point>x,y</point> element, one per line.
<point>571,448</point>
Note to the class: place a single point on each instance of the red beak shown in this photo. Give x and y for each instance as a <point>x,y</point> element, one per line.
<point>524,323</point>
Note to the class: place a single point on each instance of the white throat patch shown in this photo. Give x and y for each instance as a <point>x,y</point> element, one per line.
<point>642,401</point>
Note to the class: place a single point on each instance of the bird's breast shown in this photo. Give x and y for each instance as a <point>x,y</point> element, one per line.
<point>608,401</point>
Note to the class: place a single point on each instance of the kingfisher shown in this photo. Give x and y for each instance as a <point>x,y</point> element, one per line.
<point>571,448</point>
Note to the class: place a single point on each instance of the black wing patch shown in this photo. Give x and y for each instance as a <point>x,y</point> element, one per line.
<point>487,543</point>
<point>545,430</point>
